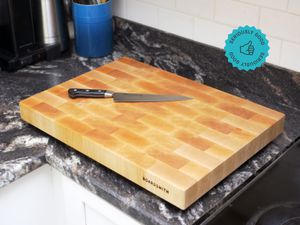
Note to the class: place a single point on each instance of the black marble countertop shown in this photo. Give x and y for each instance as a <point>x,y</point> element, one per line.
<point>24,148</point>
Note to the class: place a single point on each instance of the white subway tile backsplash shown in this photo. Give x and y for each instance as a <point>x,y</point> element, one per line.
<point>118,8</point>
<point>211,33</point>
<point>275,50</point>
<point>198,8</point>
<point>290,56</point>
<point>294,6</point>
<point>176,23</point>
<point>275,4</point>
<point>162,3</point>
<point>236,13</point>
<point>210,21</point>
<point>142,12</point>
<point>280,24</point>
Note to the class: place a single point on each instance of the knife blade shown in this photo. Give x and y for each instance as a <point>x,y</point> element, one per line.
<point>123,97</point>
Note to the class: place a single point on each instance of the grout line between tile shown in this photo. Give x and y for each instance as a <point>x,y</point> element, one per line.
<point>280,53</point>
<point>125,9</point>
<point>259,17</point>
<point>215,9</point>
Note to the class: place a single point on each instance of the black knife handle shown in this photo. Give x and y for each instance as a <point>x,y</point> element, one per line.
<point>89,93</point>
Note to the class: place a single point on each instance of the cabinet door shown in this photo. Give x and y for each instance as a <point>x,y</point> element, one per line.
<point>85,208</point>
<point>94,217</point>
<point>29,200</point>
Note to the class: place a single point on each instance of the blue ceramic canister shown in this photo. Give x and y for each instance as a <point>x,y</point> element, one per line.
<point>93,29</point>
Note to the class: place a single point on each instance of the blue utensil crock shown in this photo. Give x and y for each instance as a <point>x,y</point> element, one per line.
<point>93,29</point>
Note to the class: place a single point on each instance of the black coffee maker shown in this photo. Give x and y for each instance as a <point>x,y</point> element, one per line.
<point>23,33</point>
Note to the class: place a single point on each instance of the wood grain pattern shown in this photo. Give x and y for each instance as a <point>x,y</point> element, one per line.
<point>177,150</point>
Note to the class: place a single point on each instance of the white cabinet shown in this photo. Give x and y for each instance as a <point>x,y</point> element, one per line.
<point>30,200</point>
<point>46,197</point>
<point>85,208</point>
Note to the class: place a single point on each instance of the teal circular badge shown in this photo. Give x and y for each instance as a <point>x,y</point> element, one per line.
<point>247,48</point>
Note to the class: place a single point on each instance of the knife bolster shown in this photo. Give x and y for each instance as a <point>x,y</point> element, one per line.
<point>108,94</point>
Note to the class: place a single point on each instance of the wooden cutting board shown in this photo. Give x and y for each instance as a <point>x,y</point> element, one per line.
<point>176,150</point>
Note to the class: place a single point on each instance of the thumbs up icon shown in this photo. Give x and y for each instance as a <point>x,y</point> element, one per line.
<point>247,49</point>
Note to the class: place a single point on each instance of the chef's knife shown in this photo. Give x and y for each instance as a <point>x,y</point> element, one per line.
<point>123,97</point>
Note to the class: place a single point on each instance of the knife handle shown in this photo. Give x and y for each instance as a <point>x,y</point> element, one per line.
<point>89,93</point>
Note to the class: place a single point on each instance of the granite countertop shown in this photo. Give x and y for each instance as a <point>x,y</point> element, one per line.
<point>24,148</point>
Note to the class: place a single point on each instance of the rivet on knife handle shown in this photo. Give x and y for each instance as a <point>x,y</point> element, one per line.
<point>89,93</point>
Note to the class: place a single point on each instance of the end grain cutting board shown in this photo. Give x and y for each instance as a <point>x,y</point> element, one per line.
<point>176,150</point>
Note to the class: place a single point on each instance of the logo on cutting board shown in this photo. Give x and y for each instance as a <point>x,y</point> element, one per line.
<point>154,184</point>
<point>246,48</point>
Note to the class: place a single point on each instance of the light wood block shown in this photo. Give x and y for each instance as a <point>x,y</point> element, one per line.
<point>177,150</point>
